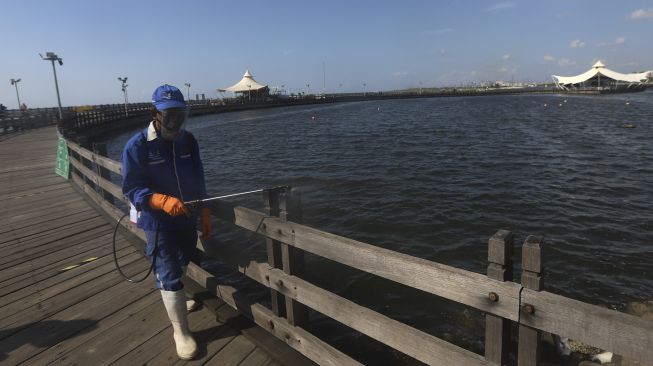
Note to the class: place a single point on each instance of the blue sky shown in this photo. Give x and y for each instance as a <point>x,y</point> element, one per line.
<point>383,44</point>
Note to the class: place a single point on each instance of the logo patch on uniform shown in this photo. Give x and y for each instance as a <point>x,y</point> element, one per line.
<point>154,157</point>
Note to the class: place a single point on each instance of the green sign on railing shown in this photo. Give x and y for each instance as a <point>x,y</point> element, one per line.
<point>63,166</point>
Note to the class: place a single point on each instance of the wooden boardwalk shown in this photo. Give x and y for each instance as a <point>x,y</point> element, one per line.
<point>61,299</point>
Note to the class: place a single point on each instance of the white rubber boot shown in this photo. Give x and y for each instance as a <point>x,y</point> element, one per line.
<point>175,303</point>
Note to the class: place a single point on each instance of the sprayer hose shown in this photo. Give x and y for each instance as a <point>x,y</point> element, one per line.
<point>115,256</point>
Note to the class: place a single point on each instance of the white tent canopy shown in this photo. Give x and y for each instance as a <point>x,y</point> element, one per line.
<point>247,83</point>
<point>599,70</point>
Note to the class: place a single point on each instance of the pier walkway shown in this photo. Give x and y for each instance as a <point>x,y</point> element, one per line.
<point>61,299</point>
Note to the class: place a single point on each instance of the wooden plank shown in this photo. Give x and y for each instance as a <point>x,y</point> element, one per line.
<point>100,149</point>
<point>72,326</point>
<point>273,248</point>
<point>52,247</point>
<point>455,284</point>
<point>110,210</point>
<point>256,358</point>
<point>623,334</point>
<point>105,184</point>
<point>36,240</point>
<point>497,330</point>
<point>22,166</point>
<point>22,218</point>
<point>50,229</point>
<point>296,337</point>
<point>257,335</point>
<point>210,335</point>
<point>528,353</point>
<point>43,245</point>
<point>28,202</point>
<point>292,258</point>
<point>39,273</point>
<point>113,343</point>
<point>33,289</point>
<point>20,187</point>
<point>233,353</point>
<point>34,191</point>
<point>7,273</point>
<point>299,339</point>
<point>17,183</point>
<point>100,269</point>
<point>112,165</point>
<point>33,195</point>
<point>8,176</point>
<point>76,291</point>
<point>28,226</point>
<point>412,342</point>
<point>16,179</point>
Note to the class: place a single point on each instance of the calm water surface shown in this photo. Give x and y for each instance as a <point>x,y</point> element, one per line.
<point>435,178</point>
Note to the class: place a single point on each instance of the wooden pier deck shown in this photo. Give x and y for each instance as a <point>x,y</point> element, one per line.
<point>61,299</point>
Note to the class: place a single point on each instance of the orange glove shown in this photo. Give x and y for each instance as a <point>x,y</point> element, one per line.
<point>205,222</point>
<point>168,204</point>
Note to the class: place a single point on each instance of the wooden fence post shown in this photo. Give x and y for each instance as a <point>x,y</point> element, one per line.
<point>273,247</point>
<point>100,148</point>
<point>291,257</point>
<point>500,268</point>
<point>83,142</point>
<point>529,338</point>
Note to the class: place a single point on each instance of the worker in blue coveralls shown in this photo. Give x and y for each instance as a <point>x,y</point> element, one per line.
<point>162,169</point>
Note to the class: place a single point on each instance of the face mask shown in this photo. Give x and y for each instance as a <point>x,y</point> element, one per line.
<point>171,122</point>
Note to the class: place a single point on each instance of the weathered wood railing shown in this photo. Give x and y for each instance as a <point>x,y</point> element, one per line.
<point>14,120</point>
<point>502,300</point>
<point>91,121</point>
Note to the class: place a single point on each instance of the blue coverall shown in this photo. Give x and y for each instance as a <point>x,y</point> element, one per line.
<point>152,165</point>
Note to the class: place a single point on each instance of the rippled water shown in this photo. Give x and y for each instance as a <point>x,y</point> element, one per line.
<point>435,178</point>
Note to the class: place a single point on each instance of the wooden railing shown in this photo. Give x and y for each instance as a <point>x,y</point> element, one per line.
<point>12,121</point>
<point>502,300</point>
<point>85,123</point>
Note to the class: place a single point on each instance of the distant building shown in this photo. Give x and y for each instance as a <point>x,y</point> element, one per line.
<point>600,77</point>
<point>249,88</point>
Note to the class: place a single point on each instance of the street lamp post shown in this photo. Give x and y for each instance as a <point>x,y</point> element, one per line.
<point>364,89</point>
<point>52,57</point>
<point>187,91</point>
<point>124,91</point>
<point>14,82</point>
<point>308,89</point>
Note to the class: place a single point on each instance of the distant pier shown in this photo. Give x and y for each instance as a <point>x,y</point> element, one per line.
<point>89,121</point>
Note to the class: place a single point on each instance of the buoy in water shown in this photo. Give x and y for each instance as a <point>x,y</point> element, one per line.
<point>565,101</point>
<point>544,104</point>
<point>627,103</point>
<point>560,105</point>
<point>312,117</point>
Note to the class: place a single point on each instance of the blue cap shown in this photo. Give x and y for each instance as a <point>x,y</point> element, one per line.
<point>166,97</point>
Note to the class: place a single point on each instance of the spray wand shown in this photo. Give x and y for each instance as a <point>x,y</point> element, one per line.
<point>195,202</point>
<point>156,237</point>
